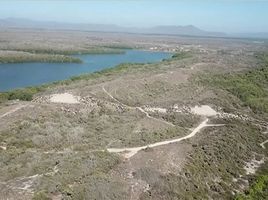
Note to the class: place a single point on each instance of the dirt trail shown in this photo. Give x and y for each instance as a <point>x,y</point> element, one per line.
<point>137,108</point>
<point>129,152</point>
<point>263,144</point>
<point>13,110</point>
<point>27,183</point>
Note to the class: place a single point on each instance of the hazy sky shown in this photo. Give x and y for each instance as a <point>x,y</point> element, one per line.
<point>213,15</point>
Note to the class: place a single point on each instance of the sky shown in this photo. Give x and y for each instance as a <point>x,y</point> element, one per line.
<point>229,16</point>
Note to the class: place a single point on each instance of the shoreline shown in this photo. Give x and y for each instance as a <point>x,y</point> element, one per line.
<point>17,56</point>
<point>29,91</point>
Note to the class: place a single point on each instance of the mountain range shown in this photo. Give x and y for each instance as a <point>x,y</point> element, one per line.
<point>188,30</point>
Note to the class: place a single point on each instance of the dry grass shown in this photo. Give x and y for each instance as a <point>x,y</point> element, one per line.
<point>65,144</point>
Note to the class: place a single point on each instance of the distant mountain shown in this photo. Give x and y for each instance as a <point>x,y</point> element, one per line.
<point>165,30</point>
<point>262,35</point>
<point>183,30</point>
<point>26,23</point>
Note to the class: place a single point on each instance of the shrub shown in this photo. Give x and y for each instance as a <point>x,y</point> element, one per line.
<point>250,87</point>
<point>41,196</point>
<point>259,190</point>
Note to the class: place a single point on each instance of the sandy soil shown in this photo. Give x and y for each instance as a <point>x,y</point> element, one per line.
<point>3,148</point>
<point>154,109</point>
<point>252,166</point>
<point>64,98</point>
<point>204,110</point>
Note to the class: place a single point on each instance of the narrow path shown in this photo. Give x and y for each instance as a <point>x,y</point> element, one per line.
<point>263,143</point>
<point>129,152</point>
<point>27,183</point>
<point>103,88</point>
<point>137,108</point>
<point>13,110</point>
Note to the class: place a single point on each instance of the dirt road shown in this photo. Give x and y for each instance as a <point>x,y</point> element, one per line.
<point>129,152</point>
<point>13,110</point>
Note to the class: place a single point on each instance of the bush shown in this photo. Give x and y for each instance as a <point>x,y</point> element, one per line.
<point>250,87</point>
<point>259,190</point>
<point>25,94</point>
<point>21,95</point>
<point>181,55</point>
<point>41,196</point>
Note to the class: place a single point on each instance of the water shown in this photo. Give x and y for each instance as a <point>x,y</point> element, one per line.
<point>13,76</point>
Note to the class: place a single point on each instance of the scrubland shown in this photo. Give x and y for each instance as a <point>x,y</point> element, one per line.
<point>59,151</point>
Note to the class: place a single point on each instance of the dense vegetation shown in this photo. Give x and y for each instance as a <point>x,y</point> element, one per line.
<point>181,55</point>
<point>21,94</point>
<point>117,46</point>
<point>250,87</point>
<point>258,190</point>
<point>51,55</point>
<point>45,58</point>
<point>53,51</point>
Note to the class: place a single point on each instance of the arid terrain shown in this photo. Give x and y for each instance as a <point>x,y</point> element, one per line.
<point>191,127</point>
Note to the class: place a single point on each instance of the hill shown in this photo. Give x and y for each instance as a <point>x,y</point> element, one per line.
<point>188,30</point>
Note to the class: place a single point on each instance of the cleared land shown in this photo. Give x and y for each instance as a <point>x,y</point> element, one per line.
<point>55,141</point>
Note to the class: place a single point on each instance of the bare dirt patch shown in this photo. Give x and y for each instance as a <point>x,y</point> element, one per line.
<point>252,166</point>
<point>65,98</point>
<point>204,110</point>
<point>155,109</point>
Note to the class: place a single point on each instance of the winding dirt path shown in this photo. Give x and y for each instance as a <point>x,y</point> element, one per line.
<point>27,183</point>
<point>137,108</point>
<point>129,152</point>
<point>13,110</point>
